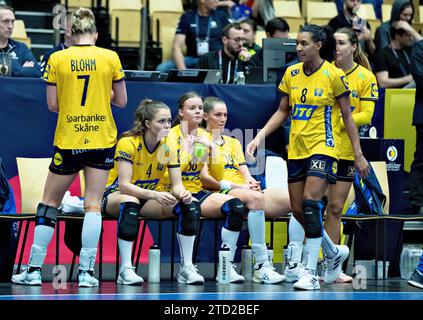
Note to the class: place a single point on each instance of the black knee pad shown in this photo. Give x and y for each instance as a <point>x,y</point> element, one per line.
<point>312,211</point>
<point>234,211</point>
<point>188,217</point>
<point>46,215</point>
<point>128,221</point>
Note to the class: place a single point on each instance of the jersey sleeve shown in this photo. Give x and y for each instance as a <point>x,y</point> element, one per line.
<point>171,152</point>
<point>239,153</point>
<point>340,85</point>
<point>49,74</point>
<point>118,74</point>
<point>369,90</point>
<point>284,86</point>
<point>125,150</point>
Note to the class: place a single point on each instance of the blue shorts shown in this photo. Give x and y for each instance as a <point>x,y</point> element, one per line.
<point>202,195</point>
<point>346,170</point>
<point>106,195</point>
<point>69,161</point>
<point>317,165</point>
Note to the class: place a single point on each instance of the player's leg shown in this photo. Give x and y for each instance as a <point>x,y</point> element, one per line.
<point>254,201</point>
<point>276,203</point>
<point>188,220</point>
<point>59,179</point>
<point>233,210</point>
<point>127,209</point>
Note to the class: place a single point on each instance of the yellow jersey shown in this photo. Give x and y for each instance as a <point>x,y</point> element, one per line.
<point>233,158</point>
<point>148,167</point>
<point>83,76</point>
<point>190,165</point>
<point>364,94</point>
<point>315,126</point>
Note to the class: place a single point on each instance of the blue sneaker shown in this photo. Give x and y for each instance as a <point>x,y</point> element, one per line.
<point>416,279</point>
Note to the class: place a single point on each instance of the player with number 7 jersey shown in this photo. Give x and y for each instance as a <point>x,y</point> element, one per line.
<point>83,75</point>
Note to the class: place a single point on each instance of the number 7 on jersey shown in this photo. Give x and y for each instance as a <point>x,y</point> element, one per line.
<point>86,79</point>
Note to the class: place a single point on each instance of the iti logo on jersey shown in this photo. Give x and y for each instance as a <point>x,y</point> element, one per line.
<point>374,92</point>
<point>354,94</point>
<point>318,92</point>
<point>392,153</point>
<point>303,111</point>
<point>345,82</point>
<point>295,72</point>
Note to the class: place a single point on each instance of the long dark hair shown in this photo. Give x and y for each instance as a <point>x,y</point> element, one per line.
<point>358,56</point>
<point>146,110</point>
<point>324,35</point>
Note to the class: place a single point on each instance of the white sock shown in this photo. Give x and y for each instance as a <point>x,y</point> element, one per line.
<point>43,235</point>
<point>87,258</point>
<point>296,236</point>
<point>312,248</point>
<point>230,239</point>
<point>186,246</point>
<point>37,256</point>
<point>257,229</point>
<point>91,229</point>
<point>329,248</point>
<point>125,250</point>
<point>295,230</point>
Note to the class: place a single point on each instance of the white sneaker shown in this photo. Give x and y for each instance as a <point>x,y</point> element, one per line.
<point>189,274</point>
<point>234,276</point>
<point>267,274</point>
<point>86,280</point>
<point>294,272</point>
<point>334,265</point>
<point>28,278</point>
<point>128,276</point>
<point>309,281</point>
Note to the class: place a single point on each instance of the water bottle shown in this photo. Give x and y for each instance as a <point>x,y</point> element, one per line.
<point>240,78</point>
<point>270,255</point>
<point>154,263</point>
<point>224,275</point>
<point>247,262</point>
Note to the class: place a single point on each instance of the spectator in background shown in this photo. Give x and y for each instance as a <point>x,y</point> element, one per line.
<point>249,26</point>
<point>402,10</point>
<point>262,11</point>
<point>200,31</point>
<point>275,28</point>
<point>377,5</point>
<point>231,59</point>
<point>68,41</point>
<point>348,18</point>
<point>16,59</point>
<point>393,63</point>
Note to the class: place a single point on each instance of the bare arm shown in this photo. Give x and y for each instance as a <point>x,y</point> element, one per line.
<point>209,182</point>
<point>274,123</point>
<point>360,162</point>
<point>127,187</point>
<point>178,188</point>
<point>386,82</point>
<point>178,56</point>
<point>119,97</point>
<point>52,99</point>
